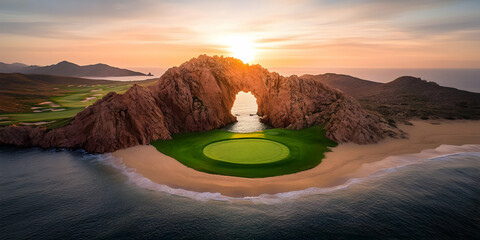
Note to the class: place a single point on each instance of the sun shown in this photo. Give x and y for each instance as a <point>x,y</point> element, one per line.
<point>242,48</point>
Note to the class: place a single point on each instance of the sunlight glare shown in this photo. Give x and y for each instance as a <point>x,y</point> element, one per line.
<point>242,48</point>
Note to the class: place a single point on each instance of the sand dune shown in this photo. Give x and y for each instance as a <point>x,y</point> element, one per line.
<point>345,162</point>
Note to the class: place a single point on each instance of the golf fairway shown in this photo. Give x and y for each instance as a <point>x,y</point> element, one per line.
<point>266,153</point>
<point>246,151</point>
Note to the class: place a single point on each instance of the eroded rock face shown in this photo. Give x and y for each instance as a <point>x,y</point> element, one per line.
<point>198,96</point>
<point>114,122</point>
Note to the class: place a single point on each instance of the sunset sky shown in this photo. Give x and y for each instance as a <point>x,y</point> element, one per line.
<point>125,33</point>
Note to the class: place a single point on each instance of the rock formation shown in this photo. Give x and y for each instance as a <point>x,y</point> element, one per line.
<point>198,96</point>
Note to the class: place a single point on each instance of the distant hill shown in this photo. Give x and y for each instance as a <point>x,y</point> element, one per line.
<point>14,67</point>
<point>345,83</point>
<point>407,97</point>
<point>65,68</point>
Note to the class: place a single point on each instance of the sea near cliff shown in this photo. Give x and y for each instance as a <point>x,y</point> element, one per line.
<point>61,194</point>
<point>64,194</point>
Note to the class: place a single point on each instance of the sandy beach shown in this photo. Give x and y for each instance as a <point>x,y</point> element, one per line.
<point>344,162</point>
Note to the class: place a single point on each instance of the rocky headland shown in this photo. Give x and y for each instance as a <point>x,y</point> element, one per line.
<point>198,96</point>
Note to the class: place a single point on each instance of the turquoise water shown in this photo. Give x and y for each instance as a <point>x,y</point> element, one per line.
<point>56,194</point>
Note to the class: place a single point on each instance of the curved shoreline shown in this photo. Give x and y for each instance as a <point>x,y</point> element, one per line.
<point>345,162</point>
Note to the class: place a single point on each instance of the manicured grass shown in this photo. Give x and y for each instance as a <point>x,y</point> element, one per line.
<point>21,95</point>
<point>78,96</point>
<point>42,116</point>
<point>73,101</point>
<point>246,151</point>
<point>267,153</point>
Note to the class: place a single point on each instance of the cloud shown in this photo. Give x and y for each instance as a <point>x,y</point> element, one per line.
<point>33,29</point>
<point>444,26</point>
<point>301,28</point>
<point>85,9</point>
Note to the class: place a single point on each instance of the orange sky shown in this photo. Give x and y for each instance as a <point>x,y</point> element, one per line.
<point>371,33</point>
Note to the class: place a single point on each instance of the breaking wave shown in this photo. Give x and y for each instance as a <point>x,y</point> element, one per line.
<point>381,168</point>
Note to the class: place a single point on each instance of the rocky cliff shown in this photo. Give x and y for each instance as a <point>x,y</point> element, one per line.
<point>198,96</point>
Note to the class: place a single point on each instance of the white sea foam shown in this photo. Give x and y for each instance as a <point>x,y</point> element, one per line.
<point>383,167</point>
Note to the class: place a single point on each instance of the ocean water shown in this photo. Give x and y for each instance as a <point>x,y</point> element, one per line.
<point>124,79</point>
<point>61,194</point>
<point>155,71</point>
<point>245,109</point>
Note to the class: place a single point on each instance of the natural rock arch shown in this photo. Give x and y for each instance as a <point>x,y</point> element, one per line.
<point>198,96</point>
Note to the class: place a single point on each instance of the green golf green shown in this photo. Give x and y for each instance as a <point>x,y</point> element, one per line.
<point>246,151</point>
<point>267,153</point>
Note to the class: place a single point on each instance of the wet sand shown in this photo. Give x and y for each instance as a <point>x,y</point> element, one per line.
<point>344,162</point>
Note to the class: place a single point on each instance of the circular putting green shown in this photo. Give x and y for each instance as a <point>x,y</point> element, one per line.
<point>246,151</point>
<point>267,153</point>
